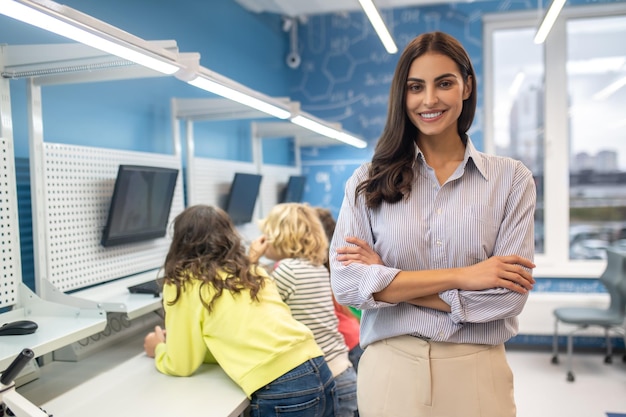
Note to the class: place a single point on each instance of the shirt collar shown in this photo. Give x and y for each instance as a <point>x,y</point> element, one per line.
<point>470,153</point>
<point>476,157</point>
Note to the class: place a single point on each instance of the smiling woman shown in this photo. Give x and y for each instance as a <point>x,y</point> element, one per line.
<point>452,232</point>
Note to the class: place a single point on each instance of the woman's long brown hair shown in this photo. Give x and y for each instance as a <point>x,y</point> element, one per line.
<point>391,170</point>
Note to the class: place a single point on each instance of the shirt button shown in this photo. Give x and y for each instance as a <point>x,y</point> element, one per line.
<point>438,242</point>
<point>438,211</point>
<point>440,334</point>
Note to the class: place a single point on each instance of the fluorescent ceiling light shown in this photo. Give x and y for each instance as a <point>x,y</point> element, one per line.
<point>379,25</point>
<point>317,126</point>
<point>610,89</point>
<point>548,20</point>
<point>236,92</point>
<point>55,21</point>
<point>82,28</point>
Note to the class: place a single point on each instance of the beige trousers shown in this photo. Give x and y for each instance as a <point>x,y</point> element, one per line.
<point>409,377</point>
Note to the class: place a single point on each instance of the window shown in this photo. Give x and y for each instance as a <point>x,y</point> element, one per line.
<point>558,107</point>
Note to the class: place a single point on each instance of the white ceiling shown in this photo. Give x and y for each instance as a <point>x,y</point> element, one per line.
<point>295,8</point>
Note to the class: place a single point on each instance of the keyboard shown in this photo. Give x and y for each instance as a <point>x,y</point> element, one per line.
<point>154,287</point>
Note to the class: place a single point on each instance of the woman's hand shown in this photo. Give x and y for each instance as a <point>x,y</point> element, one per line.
<point>257,248</point>
<point>152,339</point>
<point>359,253</point>
<point>509,272</point>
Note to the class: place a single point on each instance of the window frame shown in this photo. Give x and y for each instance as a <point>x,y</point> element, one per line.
<point>554,261</point>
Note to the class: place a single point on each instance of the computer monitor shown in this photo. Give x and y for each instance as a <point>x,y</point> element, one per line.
<point>294,190</point>
<point>140,205</point>
<point>242,197</point>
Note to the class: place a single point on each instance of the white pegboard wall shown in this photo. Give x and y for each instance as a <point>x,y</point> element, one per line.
<point>275,179</point>
<point>211,179</point>
<point>10,275</point>
<point>78,185</point>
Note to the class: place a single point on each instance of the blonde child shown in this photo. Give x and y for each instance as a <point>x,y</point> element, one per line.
<point>294,237</point>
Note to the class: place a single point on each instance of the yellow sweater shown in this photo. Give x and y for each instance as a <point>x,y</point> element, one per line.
<point>253,342</point>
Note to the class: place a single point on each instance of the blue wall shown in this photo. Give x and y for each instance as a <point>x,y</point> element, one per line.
<point>135,114</point>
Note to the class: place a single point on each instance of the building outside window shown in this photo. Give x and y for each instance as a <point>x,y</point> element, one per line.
<point>559,108</point>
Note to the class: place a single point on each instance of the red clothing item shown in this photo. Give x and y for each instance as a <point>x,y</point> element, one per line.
<point>349,325</point>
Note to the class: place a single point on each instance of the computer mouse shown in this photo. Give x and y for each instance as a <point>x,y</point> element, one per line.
<point>18,327</point>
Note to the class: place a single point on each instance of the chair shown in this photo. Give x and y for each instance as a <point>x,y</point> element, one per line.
<point>611,318</point>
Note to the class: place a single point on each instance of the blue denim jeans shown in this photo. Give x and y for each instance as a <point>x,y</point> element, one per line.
<point>355,355</point>
<point>346,393</point>
<point>307,390</point>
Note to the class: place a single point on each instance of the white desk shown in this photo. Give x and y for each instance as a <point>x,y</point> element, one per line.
<point>59,325</point>
<point>110,296</point>
<point>135,388</point>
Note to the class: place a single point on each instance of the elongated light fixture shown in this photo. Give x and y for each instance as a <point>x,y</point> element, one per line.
<point>79,27</point>
<point>548,21</point>
<point>318,126</point>
<point>610,89</point>
<point>227,88</point>
<point>379,25</point>
<point>72,24</point>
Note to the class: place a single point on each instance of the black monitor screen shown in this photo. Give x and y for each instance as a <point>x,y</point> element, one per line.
<point>242,197</point>
<point>140,206</point>
<point>294,190</point>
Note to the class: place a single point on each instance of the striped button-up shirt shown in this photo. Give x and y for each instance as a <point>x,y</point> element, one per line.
<point>486,208</point>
